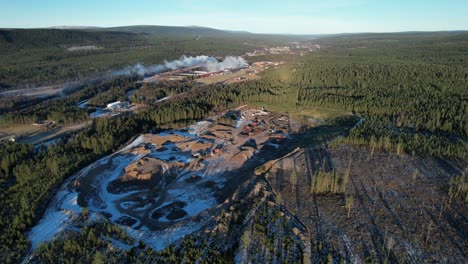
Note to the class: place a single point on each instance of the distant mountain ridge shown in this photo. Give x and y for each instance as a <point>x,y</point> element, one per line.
<point>77,35</point>
<point>168,30</point>
<point>47,38</point>
<point>66,36</point>
<point>73,27</point>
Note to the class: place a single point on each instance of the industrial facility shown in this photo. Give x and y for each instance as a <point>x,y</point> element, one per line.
<point>204,76</point>
<point>190,73</point>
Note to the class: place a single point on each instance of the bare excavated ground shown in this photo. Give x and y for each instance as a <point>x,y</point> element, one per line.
<point>167,185</point>
<point>396,216</point>
<point>164,179</point>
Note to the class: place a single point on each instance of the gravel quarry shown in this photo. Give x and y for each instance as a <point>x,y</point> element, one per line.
<point>163,186</point>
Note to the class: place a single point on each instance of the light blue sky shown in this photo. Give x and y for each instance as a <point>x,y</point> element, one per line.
<point>262,16</point>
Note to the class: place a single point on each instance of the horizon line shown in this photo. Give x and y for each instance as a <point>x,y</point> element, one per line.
<point>78,27</point>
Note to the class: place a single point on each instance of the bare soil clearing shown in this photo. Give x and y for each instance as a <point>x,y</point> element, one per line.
<point>43,91</point>
<point>395,215</point>
<point>38,134</point>
<point>48,135</point>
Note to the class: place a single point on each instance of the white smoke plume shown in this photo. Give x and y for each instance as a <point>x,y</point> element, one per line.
<point>229,62</point>
<point>207,62</point>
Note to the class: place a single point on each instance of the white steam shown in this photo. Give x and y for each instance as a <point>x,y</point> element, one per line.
<point>209,63</point>
<point>229,63</point>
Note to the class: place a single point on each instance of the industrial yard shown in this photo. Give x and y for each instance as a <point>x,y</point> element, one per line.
<point>294,48</point>
<point>203,76</point>
<point>208,71</point>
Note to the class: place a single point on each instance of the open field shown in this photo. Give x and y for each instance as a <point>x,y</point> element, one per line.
<point>8,131</point>
<point>242,74</point>
<point>307,116</point>
<point>42,91</point>
<point>51,135</point>
<point>37,134</point>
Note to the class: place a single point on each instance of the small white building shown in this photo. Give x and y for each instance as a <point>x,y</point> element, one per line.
<point>118,105</point>
<point>113,105</point>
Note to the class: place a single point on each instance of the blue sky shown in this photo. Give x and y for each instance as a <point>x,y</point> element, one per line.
<point>262,16</point>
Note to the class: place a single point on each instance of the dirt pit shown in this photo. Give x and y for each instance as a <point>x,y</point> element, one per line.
<point>162,179</point>
<point>162,139</point>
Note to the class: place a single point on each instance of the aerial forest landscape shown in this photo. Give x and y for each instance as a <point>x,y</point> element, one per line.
<point>234,132</point>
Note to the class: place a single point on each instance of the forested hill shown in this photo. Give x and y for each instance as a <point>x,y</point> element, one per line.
<point>58,38</point>
<point>35,57</point>
<point>445,47</point>
<point>170,30</point>
<point>112,36</point>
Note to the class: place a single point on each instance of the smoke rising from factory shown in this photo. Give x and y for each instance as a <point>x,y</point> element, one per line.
<point>210,63</point>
